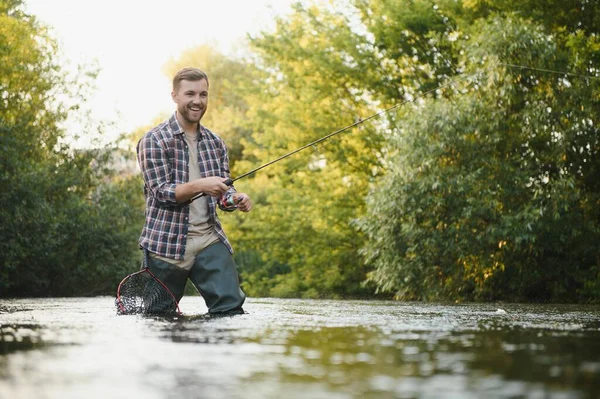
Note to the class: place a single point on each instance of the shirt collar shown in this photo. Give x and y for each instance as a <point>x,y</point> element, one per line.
<point>176,127</point>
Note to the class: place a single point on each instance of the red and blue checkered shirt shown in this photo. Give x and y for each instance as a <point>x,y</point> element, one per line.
<point>163,158</point>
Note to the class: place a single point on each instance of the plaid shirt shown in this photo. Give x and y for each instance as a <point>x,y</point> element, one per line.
<point>163,158</point>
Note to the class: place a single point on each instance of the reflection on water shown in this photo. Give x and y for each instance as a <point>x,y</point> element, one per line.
<point>76,348</point>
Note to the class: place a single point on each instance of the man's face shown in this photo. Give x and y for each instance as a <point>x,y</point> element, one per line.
<point>192,99</point>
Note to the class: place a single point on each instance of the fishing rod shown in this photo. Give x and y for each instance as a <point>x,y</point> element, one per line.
<point>230,181</point>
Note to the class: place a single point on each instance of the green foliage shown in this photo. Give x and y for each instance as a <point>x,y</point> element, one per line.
<point>472,173</point>
<point>484,189</point>
<point>300,236</point>
<point>489,194</point>
<point>65,226</point>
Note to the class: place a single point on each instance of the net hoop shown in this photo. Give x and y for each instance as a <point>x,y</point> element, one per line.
<point>143,293</point>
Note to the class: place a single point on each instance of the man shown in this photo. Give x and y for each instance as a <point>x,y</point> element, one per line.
<point>181,159</point>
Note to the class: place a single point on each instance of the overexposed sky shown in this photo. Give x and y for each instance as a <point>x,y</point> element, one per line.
<point>131,40</point>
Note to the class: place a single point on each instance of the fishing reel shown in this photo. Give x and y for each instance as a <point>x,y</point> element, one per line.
<point>228,202</point>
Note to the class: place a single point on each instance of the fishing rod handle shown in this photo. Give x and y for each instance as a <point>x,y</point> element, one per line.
<point>228,182</point>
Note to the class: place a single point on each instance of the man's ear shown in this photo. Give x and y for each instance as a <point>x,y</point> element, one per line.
<point>173,96</point>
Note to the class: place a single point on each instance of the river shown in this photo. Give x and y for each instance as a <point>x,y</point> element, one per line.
<point>292,348</point>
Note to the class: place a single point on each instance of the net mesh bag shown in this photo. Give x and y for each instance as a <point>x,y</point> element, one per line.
<point>144,294</point>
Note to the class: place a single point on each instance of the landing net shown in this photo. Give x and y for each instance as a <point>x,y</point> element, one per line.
<point>143,293</point>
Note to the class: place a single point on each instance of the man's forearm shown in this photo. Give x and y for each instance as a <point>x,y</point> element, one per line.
<point>187,191</point>
<point>213,186</point>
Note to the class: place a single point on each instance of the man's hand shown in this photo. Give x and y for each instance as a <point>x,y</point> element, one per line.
<point>213,186</point>
<point>243,202</point>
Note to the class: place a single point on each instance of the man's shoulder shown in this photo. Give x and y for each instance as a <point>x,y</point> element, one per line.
<point>161,133</point>
<point>212,134</point>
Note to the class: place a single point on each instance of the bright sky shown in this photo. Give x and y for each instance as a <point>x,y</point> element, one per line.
<point>131,40</point>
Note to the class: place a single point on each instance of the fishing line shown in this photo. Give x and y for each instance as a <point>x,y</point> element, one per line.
<point>549,71</point>
<point>360,121</point>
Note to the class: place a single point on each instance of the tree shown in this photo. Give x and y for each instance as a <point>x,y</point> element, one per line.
<point>58,207</point>
<point>493,180</point>
<point>312,73</point>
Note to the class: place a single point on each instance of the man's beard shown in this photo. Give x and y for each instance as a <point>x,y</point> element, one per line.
<point>185,114</point>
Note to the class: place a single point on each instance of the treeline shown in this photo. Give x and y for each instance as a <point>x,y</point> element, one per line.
<point>481,185</point>
<point>65,225</point>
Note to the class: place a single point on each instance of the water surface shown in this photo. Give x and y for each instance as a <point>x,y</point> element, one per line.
<point>79,348</point>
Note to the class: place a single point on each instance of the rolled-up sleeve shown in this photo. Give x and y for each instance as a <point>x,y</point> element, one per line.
<point>154,164</point>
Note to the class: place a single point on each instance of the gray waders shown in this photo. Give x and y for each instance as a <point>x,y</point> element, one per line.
<point>214,275</point>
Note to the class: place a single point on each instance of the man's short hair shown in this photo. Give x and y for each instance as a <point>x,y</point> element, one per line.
<point>191,74</point>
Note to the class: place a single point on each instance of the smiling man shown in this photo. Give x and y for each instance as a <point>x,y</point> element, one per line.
<point>183,238</point>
